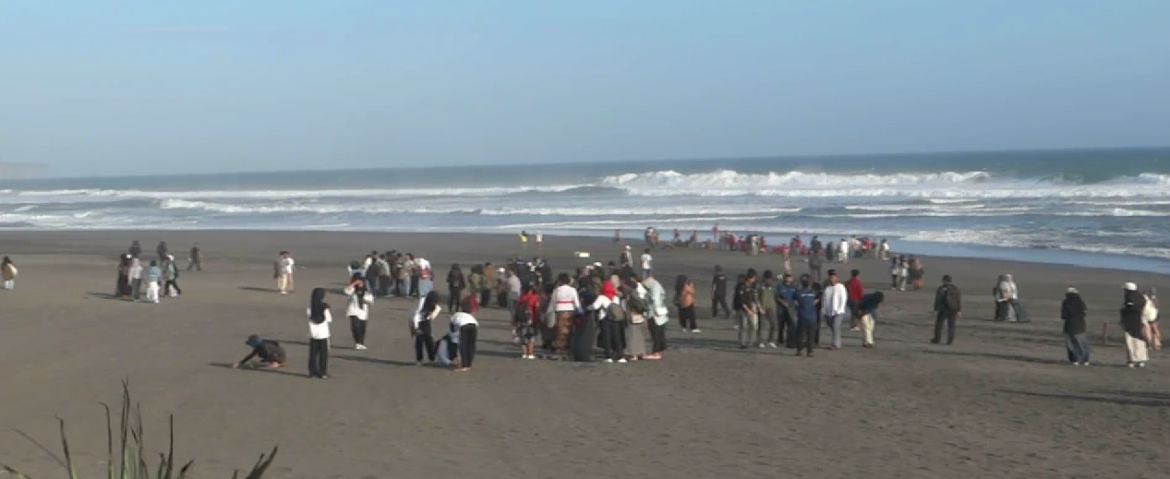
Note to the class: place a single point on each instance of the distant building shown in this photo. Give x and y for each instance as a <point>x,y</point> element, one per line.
<point>20,171</point>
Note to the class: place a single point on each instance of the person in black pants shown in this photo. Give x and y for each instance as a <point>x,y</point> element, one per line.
<point>424,339</point>
<point>468,329</point>
<point>806,315</point>
<point>456,283</point>
<point>948,304</point>
<point>319,319</point>
<point>719,294</point>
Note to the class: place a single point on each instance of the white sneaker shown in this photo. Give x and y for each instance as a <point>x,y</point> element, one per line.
<point>1141,365</point>
<point>609,360</point>
<point>1086,363</point>
<point>360,347</point>
<point>696,331</point>
<point>1131,365</point>
<point>762,345</point>
<point>773,345</point>
<point>622,360</point>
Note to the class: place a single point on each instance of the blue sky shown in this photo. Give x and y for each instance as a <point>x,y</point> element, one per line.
<point>126,87</point>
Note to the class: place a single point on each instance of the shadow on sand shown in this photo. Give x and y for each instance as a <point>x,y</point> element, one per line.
<point>1124,398</point>
<point>282,371</point>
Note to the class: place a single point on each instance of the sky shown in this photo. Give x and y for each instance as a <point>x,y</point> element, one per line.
<point>141,87</point>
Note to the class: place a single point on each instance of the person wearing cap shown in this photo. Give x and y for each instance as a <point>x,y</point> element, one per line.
<point>270,352</point>
<point>1135,326</point>
<point>1073,312</point>
<point>948,303</point>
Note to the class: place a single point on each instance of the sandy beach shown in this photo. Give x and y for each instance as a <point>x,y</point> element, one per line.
<point>1001,402</point>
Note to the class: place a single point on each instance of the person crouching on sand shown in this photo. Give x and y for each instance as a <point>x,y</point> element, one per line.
<point>358,310</point>
<point>319,319</point>
<point>270,352</point>
<point>421,327</point>
<point>468,328</point>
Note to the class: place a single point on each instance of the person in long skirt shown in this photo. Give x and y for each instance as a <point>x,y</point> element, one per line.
<point>636,321</point>
<point>468,329</point>
<point>1136,329</point>
<point>319,319</point>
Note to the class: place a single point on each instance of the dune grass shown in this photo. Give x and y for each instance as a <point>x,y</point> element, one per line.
<point>131,462</point>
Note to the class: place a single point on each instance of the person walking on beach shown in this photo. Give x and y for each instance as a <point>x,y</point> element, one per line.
<point>719,294</point>
<point>271,354</point>
<point>136,271</point>
<point>421,327</point>
<point>468,329</point>
<point>8,273</point>
<point>564,305</point>
<point>171,274</point>
<point>1150,315</point>
<point>385,277</point>
<point>162,250</point>
<point>747,315</point>
<point>647,263</point>
<point>426,276</point>
<point>767,312</point>
<point>195,261</point>
<point>659,316</point>
<point>357,308</point>
<point>456,283</point>
<point>122,287</point>
<point>786,294</point>
<point>1137,330</point>
<point>283,272</point>
<point>526,322</point>
<point>856,291</point>
<point>153,277</point>
<point>637,307</point>
<point>867,310</point>
<point>135,249</point>
<point>319,319</point>
<point>686,306</point>
<point>489,284</point>
<point>806,317</point>
<point>835,306</point>
<point>948,304</point>
<point>1073,312</point>
<point>815,263</point>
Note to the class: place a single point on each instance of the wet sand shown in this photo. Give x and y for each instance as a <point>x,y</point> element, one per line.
<point>1001,402</point>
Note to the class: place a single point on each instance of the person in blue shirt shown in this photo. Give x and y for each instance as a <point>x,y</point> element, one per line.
<point>806,316</point>
<point>785,301</point>
<point>153,277</point>
<point>867,311</point>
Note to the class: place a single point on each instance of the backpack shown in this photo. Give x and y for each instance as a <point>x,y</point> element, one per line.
<point>615,312</point>
<point>952,297</point>
<point>636,304</point>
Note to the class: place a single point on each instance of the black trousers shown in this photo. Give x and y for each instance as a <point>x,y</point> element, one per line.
<point>686,316</point>
<point>948,318</point>
<point>195,264</point>
<point>318,358</point>
<point>657,336</point>
<point>485,298</point>
<point>453,302</point>
<point>171,283</point>
<point>358,328</point>
<point>613,339</point>
<point>424,341</point>
<point>806,335</point>
<point>414,285</point>
<point>384,284</point>
<point>787,328</point>
<point>467,336</point>
<point>720,302</point>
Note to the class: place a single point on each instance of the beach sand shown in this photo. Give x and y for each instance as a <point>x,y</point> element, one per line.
<point>1001,402</point>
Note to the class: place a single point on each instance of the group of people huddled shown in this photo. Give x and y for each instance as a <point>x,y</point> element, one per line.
<point>157,278</point>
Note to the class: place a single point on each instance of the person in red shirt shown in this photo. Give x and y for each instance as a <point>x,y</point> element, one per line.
<point>526,321</point>
<point>856,291</point>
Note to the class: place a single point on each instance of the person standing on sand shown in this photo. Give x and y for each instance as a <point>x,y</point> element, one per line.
<point>686,306</point>
<point>948,303</point>
<point>283,272</point>
<point>270,352</point>
<point>319,319</point>
<point>385,277</point>
<point>196,259</point>
<point>122,287</point>
<point>474,284</point>
<point>426,276</point>
<point>835,306</point>
<point>525,321</point>
<point>786,294</point>
<point>767,310</point>
<point>626,260</point>
<point>163,251</point>
<point>411,268</point>
<point>171,274</point>
<point>719,294</point>
<point>843,250</point>
<point>524,240</point>
<point>564,305</point>
<point>1073,312</point>
<point>815,263</point>
<point>867,310</point>
<point>135,249</point>
<point>636,309</point>
<point>421,327</point>
<point>856,291</point>
<point>539,241</point>
<point>154,276</point>
<point>357,308</point>
<point>659,316</point>
<point>611,317</point>
<point>748,318</point>
<point>467,327</point>
<point>456,283</point>
<point>1150,315</point>
<point>647,263</point>
<point>489,283</point>
<point>8,272</point>
<point>806,317</point>
<point>135,278</point>
<point>1137,330</point>
<point>884,250</point>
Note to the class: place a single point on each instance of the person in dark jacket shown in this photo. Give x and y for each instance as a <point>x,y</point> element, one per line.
<point>456,283</point>
<point>270,352</point>
<point>948,303</point>
<point>719,293</point>
<point>1136,330</point>
<point>1073,311</point>
<point>867,311</point>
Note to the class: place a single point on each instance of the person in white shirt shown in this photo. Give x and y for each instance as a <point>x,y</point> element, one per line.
<point>284,272</point>
<point>834,306</point>
<point>611,316</point>
<point>647,265</point>
<point>421,329</point>
<point>843,251</point>
<point>539,240</point>
<point>468,329</point>
<point>358,310</point>
<point>426,277</point>
<point>564,304</point>
<point>659,312</point>
<point>319,319</point>
<point>135,278</point>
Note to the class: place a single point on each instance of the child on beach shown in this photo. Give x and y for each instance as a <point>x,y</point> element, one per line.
<point>319,319</point>
<point>270,352</point>
<point>152,286</point>
<point>524,320</point>
<point>358,310</point>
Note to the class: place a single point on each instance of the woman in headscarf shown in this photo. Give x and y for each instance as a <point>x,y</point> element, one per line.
<point>1073,312</point>
<point>122,289</point>
<point>319,319</point>
<point>8,271</point>
<point>635,338</point>
<point>612,318</point>
<point>1150,315</point>
<point>456,283</point>
<point>1021,315</point>
<point>1002,294</point>
<point>1136,329</point>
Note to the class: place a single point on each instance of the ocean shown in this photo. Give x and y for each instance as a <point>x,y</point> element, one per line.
<point>1110,204</point>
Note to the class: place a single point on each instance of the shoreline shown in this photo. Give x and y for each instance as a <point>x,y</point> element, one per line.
<point>925,249</point>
